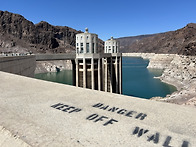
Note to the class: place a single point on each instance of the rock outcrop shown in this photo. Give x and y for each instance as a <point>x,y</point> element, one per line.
<point>53,66</point>
<point>17,34</point>
<point>161,61</point>
<point>182,70</point>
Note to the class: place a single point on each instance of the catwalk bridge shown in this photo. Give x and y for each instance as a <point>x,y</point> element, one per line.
<point>47,57</point>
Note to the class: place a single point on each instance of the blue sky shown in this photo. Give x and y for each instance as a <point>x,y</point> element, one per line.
<point>118,18</point>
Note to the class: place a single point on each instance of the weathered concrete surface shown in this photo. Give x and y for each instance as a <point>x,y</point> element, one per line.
<point>7,139</point>
<point>29,111</point>
<point>21,65</point>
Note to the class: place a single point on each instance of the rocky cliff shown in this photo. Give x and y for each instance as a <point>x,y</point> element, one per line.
<point>178,70</point>
<point>17,34</point>
<point>182,41</point>
<point>126,42</point>
<point>181,72</point>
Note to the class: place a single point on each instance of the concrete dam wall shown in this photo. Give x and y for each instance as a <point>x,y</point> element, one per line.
<point>20,65</point>
<point>54,115</point>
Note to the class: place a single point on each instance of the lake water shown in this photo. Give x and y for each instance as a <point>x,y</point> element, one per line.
<point>137,80</point>
<point>140,82</point>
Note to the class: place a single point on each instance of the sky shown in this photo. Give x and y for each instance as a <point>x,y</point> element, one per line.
<point>117,18</point>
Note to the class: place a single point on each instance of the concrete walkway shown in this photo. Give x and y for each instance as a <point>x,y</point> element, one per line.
<point>40,113</point>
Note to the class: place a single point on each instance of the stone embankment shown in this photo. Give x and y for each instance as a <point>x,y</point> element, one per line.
<point>179,71</point>
<point>52,66</point>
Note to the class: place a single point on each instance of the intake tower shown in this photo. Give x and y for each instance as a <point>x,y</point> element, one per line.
<point>95,70</point>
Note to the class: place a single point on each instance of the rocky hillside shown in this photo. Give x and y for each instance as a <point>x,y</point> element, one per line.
<point>17,34</point>
<point>182,41</point>
<point>125,42</point>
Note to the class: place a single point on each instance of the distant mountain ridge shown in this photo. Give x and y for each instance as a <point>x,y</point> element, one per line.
<point>125,42</point>
<point>181,41</point>
<point>17,34</point>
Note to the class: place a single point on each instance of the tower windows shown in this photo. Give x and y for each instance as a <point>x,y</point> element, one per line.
<point>87,47</point>
<point>82,50</point>
<point>93,48</point>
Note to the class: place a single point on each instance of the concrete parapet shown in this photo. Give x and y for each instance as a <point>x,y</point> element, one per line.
<point>51,114</point>
<point>21,65</point>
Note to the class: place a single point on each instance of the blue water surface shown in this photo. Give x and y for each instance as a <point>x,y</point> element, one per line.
<point>137,80</point>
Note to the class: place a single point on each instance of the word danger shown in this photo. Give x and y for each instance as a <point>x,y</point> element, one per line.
<point>155,137</point>
<point>121,111</point>
<point>66,108</point>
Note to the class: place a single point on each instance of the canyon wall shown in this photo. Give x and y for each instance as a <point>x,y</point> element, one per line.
<point>19,35</point>
<point>181,42</point>
<point>181,70</point>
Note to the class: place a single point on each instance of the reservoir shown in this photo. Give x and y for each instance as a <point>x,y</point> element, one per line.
<point>137,80</point>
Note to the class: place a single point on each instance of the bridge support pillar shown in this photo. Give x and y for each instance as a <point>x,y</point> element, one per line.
<point>120,75</point>
<point>111,75</point>
<point>99,74</point>
<point>73,72</point>
<point>92,74</point>
<point>117,75</point>
<point>84,73</point>
<point>77,72</point>
<point>106,75</point>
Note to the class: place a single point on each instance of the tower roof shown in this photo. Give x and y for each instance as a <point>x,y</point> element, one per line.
<point>86,30</point>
